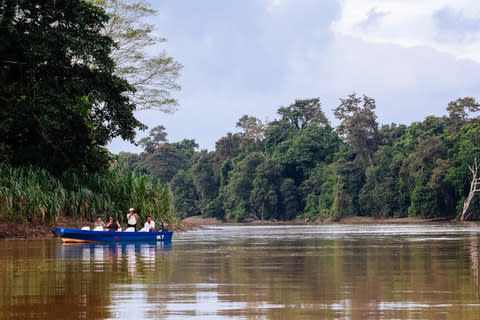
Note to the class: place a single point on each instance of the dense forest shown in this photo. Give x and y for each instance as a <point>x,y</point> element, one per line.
<point>71,76</point>
<point>299,166</point>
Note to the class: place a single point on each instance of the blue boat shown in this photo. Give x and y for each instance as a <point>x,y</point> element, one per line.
<point>77,235</point>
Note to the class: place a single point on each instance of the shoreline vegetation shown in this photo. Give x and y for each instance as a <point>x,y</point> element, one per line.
<point>20,231</point>
<point>34,197</point>
<point>300,167</point>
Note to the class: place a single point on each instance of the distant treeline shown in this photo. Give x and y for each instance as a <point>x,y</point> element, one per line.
<point>299,166</point>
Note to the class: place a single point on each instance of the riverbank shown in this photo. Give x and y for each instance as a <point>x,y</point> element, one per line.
<point>16,230</point>
<point>192,223</point>
<point>10,230</point>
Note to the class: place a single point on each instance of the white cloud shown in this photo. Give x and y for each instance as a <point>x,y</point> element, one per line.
<point>411,23</point>
<point>407,83</point>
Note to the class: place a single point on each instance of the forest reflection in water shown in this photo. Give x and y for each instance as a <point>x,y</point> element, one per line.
<point>414,271</point>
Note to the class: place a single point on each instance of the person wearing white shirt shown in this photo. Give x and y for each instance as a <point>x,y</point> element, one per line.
<point>149,224</point>
<point>132,218</point>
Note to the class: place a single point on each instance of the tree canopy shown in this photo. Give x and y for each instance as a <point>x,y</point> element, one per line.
<point>359,124</point>
<point>61,102</point>
<point>298,166</point>
<point>153,76</point>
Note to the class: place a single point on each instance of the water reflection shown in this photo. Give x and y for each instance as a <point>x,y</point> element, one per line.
<point>101,257</point>
<point>306,272</point>
<point>474,260</point>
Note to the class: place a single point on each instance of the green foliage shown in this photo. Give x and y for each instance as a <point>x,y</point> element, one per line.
<point>228,147</point>
<point>342,204</point>
<point>253,133</point>
<point>458,109</point>
<point>187,147</point>
<point>277,132</point>
<point>421,165</point>
<point>240,185</point>
<point>129,160</point>
<point>306,149</point>
<point>289,197</point>
<point>156,137</point>
<point>318,192</point>
<point>303,113</point>
<point>205,180</point>
<point>299,167</point>
<point>264,195</point>
<point>164,162</point>
<point>184,194</point>
<point>35,195</point>
<point>60,100</point>
<point>359,124</point>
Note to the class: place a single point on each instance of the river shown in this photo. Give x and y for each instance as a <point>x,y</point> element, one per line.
<point>337,271</point>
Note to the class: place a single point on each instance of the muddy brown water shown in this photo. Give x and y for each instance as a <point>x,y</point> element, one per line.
<point>412,271</point>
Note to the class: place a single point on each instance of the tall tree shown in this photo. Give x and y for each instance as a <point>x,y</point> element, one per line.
<point>205,182</point>
<point>164,162</point>
<point>276,133</point>
<point>153,76</point>
<point>60,100</point>
<point>425,196</point>
<point>359,124</point>
<point>240,186</point>
<point>184,195</point>
<point>264,196</point>
<point>187,146</point>
<point>474,188</point>
<point>341,202</point>
<point>304,150</point>
<point>289,196</point>
<point>458,109</point>
<point>464,147</point>
<point>228,147</point>
<point>155,138</point>
<point>303,113</point>
<point>253,132</point>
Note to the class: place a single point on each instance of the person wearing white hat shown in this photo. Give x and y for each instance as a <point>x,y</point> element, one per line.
<point>132,218</point>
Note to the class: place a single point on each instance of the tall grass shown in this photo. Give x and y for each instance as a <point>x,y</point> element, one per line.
<point>34,195</point>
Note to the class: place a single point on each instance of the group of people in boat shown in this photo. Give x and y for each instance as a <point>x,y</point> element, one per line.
<point>132,218</point>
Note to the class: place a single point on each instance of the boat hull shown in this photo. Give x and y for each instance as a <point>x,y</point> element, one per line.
<point>77,235</point>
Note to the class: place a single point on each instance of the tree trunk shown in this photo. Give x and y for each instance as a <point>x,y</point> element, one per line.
<point>370,161</point>
<point>473,189</point>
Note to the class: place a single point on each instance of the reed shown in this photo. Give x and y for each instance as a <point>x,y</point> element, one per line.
<point>30,194</point>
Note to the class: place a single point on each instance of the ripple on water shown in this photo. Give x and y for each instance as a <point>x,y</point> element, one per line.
<point>335,271</point>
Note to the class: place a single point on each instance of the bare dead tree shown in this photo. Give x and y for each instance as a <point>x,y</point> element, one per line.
<point>474,187</point>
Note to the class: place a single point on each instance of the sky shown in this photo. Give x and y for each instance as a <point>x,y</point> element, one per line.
<point>253,56</point>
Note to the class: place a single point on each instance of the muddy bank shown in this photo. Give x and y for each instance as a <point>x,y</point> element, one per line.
<point>20,231</point>
<point>205,222</point>
<point>371,220</point>
<point>10,230</point>
<point>16,230</point>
